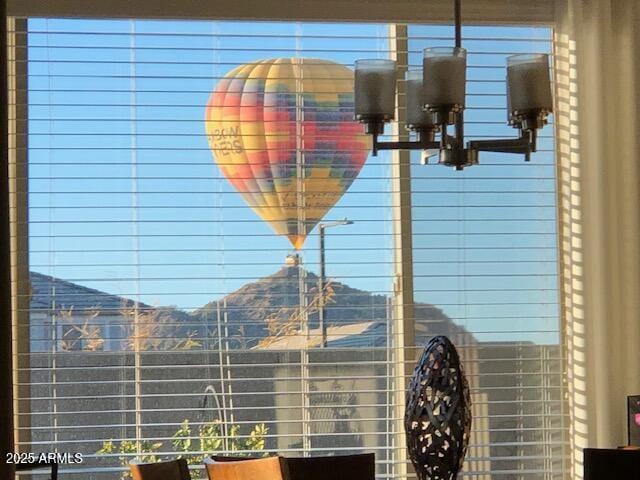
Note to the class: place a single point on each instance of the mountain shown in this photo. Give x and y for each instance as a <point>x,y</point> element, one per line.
<point>270,307</point>
<point>264,314</point>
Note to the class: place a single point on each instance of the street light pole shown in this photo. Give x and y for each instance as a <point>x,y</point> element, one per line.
<point>321,279</point>
<point>323,330</point>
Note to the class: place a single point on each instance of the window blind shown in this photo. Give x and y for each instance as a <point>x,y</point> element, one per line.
<point>161,312</point>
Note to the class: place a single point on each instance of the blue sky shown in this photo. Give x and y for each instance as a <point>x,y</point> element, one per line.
<point>125,197</point>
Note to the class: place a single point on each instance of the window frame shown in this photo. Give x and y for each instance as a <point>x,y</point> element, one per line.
<point>523,12</point>
<point>395,14</point>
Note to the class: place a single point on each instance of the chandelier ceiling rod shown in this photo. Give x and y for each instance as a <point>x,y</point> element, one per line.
<point>457,14</point>
<point>459,119</point>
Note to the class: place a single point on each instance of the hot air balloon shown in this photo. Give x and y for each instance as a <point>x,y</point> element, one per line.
<point>282,131</point>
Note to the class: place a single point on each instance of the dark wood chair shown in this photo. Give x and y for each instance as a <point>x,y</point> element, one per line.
<point>172,470</point>
<point>339,467</point>
<point>24,467</point>
<point>267,468</point>
<point>611,464</point>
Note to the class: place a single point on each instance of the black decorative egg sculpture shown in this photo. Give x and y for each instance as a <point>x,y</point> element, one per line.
<point>437,419</point>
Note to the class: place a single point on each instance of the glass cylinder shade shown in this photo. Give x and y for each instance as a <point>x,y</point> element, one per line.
<point>510,119</point>
<point>417,117</point>
<point>444,73</point>
<point>375,89</point>
<point>528,83</point>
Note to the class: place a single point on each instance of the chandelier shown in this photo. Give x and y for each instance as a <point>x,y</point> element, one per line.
<point>435,99</point>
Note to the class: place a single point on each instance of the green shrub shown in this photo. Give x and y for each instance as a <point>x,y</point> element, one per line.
<point>210,438</point>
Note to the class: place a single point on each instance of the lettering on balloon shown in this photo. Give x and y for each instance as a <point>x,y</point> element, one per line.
<point>226,141</point>
<point>304,199</point>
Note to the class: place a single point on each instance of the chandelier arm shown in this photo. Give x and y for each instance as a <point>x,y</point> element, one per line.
<point>407,145</point>
<point>515,145</point>
<point>523,145</point>
<point>424,142</point>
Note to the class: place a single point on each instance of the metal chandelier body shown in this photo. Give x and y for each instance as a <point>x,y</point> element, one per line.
<point>436,100</point>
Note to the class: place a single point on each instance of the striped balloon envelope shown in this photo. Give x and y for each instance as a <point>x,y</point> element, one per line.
<point>282,131</point>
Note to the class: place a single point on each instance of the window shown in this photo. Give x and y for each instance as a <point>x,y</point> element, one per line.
<point>485,252</point>
<point>166,317</point>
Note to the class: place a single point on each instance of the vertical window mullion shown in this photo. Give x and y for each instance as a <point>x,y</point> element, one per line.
<point>19,219</point>
<point>403,328</point>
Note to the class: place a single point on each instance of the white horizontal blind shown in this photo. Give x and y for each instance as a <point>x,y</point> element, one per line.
<point>156,295</point>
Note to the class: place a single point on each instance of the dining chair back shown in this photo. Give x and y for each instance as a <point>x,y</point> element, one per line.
<point>341,467</point>
<point>267,468</point>
<point>172,470</point>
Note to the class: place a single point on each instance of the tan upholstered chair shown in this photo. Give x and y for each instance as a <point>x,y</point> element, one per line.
<point>173,470</point>
<point>252,469</point>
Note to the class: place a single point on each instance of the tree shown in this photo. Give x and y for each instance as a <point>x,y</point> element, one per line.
<point>155,329</point>
<point>287,321</point>
<point>85,336</point>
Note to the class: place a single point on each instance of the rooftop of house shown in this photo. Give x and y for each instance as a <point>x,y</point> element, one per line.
<point>51,293</point>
